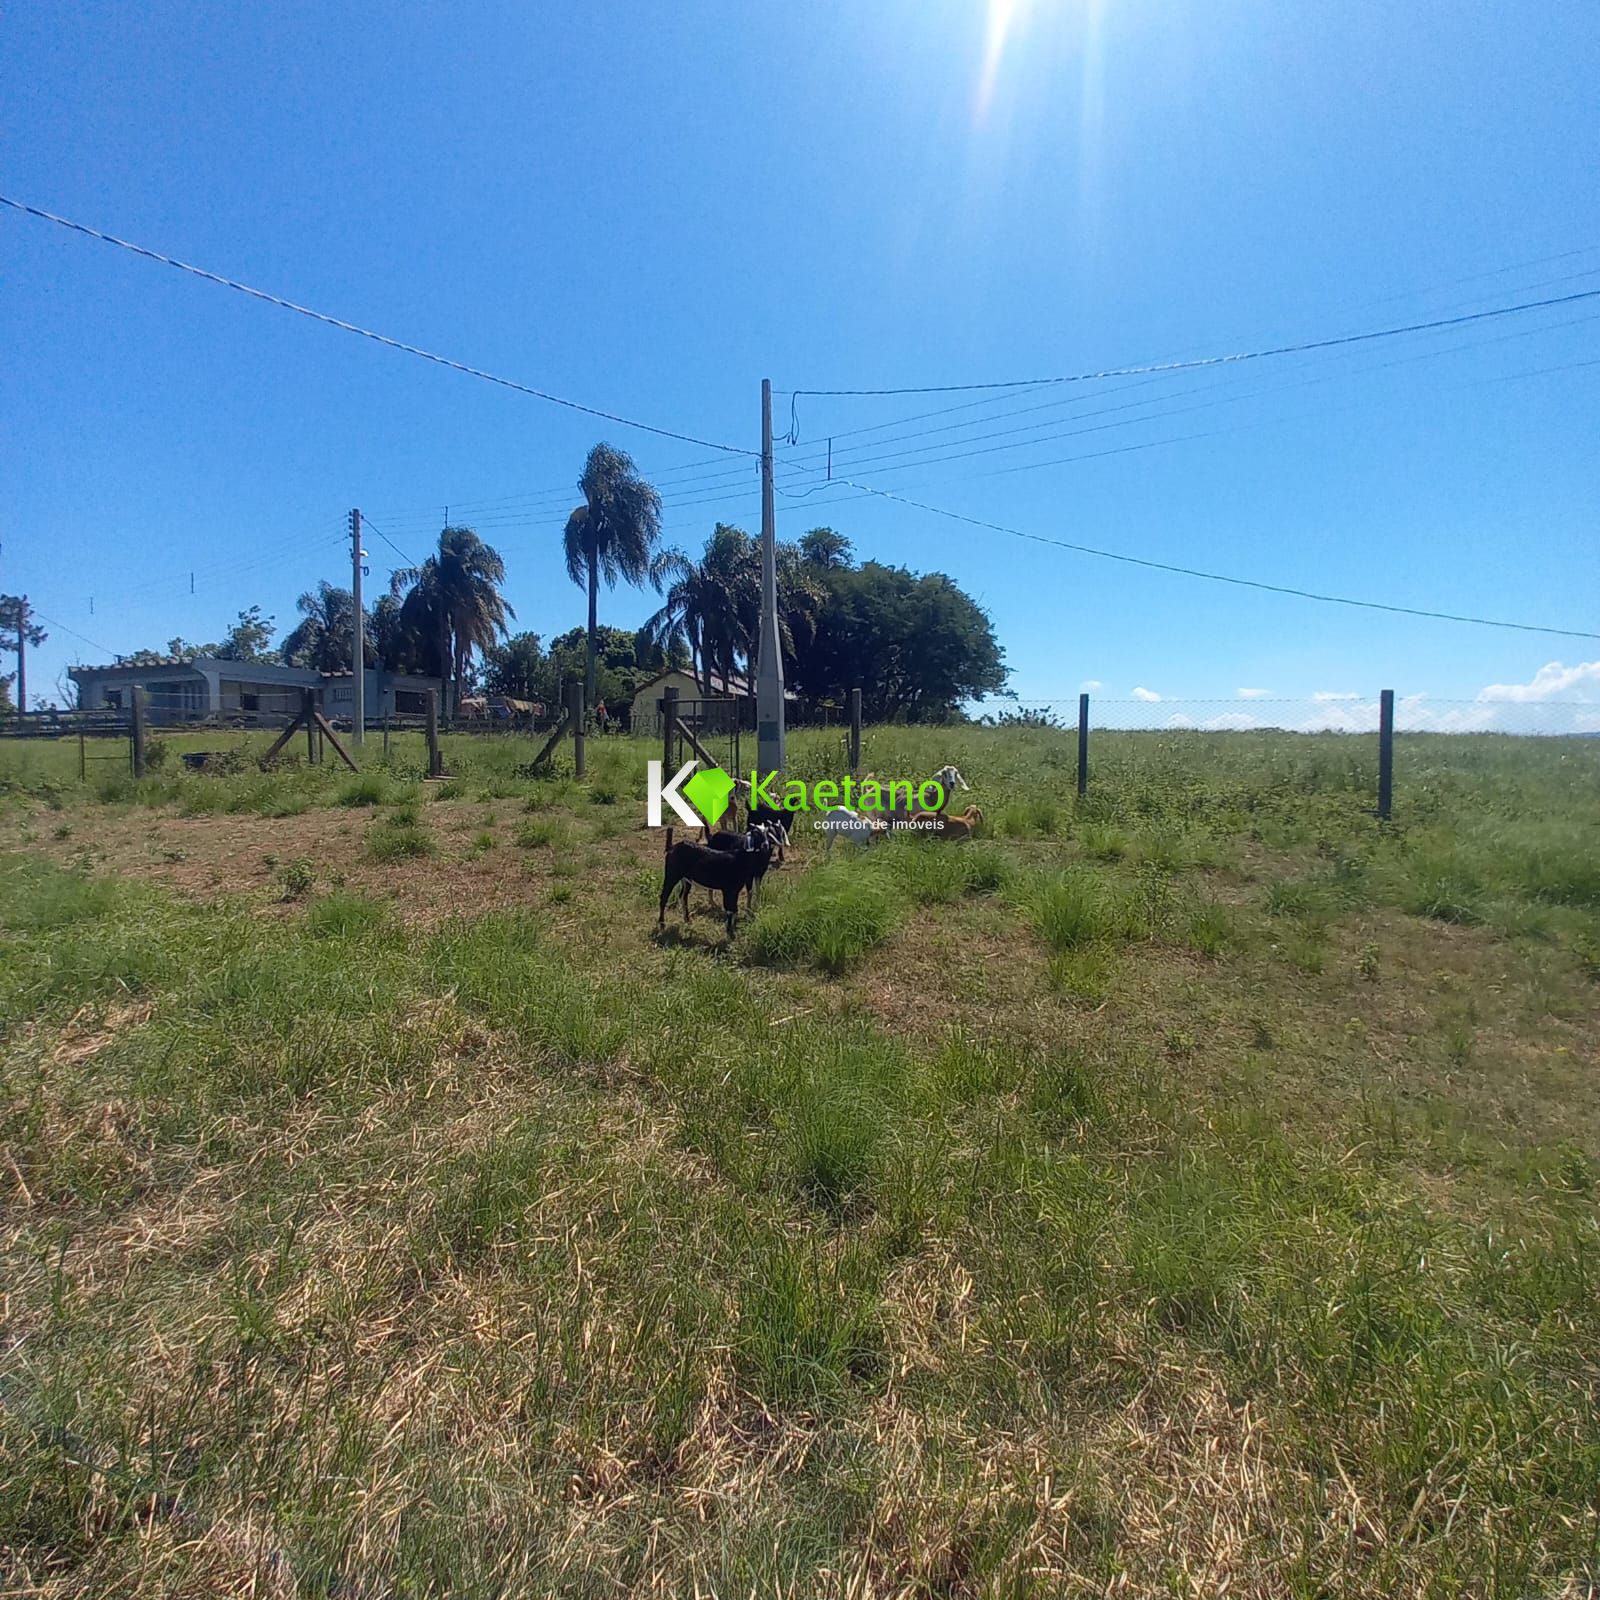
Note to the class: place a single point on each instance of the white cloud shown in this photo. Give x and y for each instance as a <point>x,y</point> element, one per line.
<point>1550,682</point>
<point>1147,695</point>
<point>1234,720</point>
<point>1325,696</point>
<point>1089,685</point>
<point>1254,694</point>
<point>1178,720</point>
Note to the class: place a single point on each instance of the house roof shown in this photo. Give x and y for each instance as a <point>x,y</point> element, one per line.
<point>738,684</point>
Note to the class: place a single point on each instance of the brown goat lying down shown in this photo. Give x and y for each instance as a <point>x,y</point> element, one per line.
<point>935,825</point>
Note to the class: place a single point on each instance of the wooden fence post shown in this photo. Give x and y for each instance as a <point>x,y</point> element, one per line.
<point>83,758</point>
<point>307,705</point>
<point>1386,754</point>
<point>435,760</point>
<point>136,727</point>
<point>575,717</point>
<point>855,731</point>
<point>669,721</point>
<point>1083,744</point>
<point>386,734</point>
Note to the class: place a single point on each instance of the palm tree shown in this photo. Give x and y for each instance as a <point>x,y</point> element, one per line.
<point>455,600</point>
<point>612,534</point>
<point>712,605</point>
<point>321,639</point>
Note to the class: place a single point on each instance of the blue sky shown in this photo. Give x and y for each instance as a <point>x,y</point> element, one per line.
<point>651,208</point>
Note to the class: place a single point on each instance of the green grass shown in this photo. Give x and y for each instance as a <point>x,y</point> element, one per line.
<point>1193,1191</point>
<point>398,837</point>
<point>830,918</point>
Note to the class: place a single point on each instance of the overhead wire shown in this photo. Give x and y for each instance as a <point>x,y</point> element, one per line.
<point>1220,577</point>
<point>368,333</point>
<point>1232,358</point>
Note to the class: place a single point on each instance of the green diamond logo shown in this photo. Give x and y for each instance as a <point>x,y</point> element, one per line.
<point>708,791</point>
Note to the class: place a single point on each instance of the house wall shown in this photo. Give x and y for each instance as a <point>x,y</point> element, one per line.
<point>388,694</point>
<point>174,694</point>
<point>646,715</point>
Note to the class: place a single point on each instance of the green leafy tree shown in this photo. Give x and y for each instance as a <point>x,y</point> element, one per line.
<point>516,668</point>
<point>618,668</point>
<point>249,639</point>
<point>612,535</point>
<point>454,600</point>
<point>824,549</point>
<point>14,610</point>
<point>915,646</point>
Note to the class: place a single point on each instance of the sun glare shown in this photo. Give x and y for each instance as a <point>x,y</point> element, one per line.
<point>1002,15</point>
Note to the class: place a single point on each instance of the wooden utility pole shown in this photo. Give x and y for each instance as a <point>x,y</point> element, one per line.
<point>769,668</point>
<point>358,644</point>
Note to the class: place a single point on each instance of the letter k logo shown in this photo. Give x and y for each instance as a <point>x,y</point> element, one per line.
<point>707,791</point>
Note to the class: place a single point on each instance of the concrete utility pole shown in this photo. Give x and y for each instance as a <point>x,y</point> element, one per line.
<point>358,645</point>
<point>769,669</point>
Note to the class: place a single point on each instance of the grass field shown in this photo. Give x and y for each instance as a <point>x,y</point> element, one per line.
<point>1186,1191</point>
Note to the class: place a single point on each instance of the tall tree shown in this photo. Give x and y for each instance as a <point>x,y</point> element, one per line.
<point>249,639</point>
<point>612,535</point>
<point>455,597</point>
<point>827,550</point>
<point>516,668</point>
<point>18,631</point>
<point>712,605</point>
<point>321,639</point>
<point>915,646</point>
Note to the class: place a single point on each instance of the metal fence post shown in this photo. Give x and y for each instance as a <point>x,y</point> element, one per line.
<point>1083,744</point>
<point>1385,754</point>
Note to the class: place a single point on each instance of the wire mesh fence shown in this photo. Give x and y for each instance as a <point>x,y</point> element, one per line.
<point>1353,712</point>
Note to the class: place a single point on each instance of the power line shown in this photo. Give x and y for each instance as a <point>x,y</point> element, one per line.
<point>1216,577</point>
<point>1302,348</point>
<point>368,333</point>
<point>105,649</point>
<point>367,522</point>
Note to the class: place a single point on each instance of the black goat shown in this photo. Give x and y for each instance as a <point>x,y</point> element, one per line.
<point>736,843</point>
<point>772,818</point>
<point>728,871</point>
